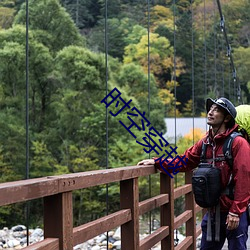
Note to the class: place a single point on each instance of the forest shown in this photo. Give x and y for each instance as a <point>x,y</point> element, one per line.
<point>166,56</point>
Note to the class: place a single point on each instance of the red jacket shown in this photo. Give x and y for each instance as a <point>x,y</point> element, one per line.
<point>241,167</point>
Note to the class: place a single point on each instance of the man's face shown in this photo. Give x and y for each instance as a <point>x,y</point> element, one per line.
<point>215,116</point>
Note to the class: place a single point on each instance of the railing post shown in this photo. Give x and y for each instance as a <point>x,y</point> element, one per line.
<point>129,198</point>
<point>190,205</point>
<point>167,211</point>
<point>58,219</point>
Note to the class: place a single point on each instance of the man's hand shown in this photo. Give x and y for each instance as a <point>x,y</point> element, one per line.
<point>146,162</point>
<point>232,221</point>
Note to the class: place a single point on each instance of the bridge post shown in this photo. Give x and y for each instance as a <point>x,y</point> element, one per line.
<point>167,211</point>
<point>58,219</point>
<point>129,198</point>
<point>190,205</point>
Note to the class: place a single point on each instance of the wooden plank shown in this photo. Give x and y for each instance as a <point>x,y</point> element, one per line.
<point>190,205</point>
<point>152,203</point>
<point>94,178</point>
<point>154,238</point>
<point>167,211</point>
<point>182,218</point>
<point>185,244</point>
<point>24,190</point>
<point>182,190</point>
<point>90,230</point>
<point>198,231</point>
<point>129,196</point>
<point>198,208</point>
<point>58,219</point>
<point>46,244</point>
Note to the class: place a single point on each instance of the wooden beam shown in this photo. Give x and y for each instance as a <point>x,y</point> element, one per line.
<point>152,203</point>
<point>190,205</point>
<point>46,244</point>
<point>58,219</point>
<point>90,230</point>
<point>198,231</point>
<point>154,238</point>
<point>24,190</point>
<point>182,190</point>
<point>129,197</point>
<point>167,211</point>
<point>185,244</point>
<point>98,177</point>
<point>182,218</point>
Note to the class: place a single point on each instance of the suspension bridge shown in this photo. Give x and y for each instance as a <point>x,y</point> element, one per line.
<point>56,192</point>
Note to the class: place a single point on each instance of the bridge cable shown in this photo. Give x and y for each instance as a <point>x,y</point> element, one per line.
<point>176,240</point>
<point>229,54</point>
<point>192,77</point>
<point>215,52</point>
<point>205,50</point>
<point>149,177</point>
<point>27,204</point>
<point>106,82</point>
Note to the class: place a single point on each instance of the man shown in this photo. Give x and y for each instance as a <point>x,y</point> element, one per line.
<point>221,115</point>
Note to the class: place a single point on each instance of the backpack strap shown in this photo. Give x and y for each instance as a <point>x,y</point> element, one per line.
<point>227,148</point>
<point>227,151</point>
<point>203,152</point>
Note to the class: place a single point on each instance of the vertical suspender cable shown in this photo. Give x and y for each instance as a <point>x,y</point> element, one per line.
<point>175,93</point>
<point>77,13</point>
<point>27,112</point>
<point>149,177</point>
<point>215,53</point>
<point>229,84</point>
<point>222,70</point>
<point>205,51</point>
<point>174,73</point>
<point>230,56</point>
<point>106,81</point>
<point>192,24</point>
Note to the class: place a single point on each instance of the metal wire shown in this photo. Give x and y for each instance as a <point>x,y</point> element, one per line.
<point>205,51</point>
<point>175,95</point>
<point>106,82</point>
<point>27,207</point>
<point>193,108</point>
<point>229,54</point>
<point>149,177</point>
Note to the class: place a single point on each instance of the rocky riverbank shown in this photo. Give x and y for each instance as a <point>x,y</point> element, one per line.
<point>16,238</point>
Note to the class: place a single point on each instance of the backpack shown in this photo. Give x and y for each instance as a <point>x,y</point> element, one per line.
<point>206,179</point>
<point>243,120</point>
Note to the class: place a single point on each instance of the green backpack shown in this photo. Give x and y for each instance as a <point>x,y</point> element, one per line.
<point>243,120</point>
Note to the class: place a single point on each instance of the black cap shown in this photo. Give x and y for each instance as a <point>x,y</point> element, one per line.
<point>223,103</point>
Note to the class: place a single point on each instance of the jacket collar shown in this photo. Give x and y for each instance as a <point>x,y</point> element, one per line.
<point>221,136</point>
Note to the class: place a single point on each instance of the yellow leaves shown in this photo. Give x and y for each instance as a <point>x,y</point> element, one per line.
<point>159,53</point>
<point>161,16</point>
<point>166,96</point>
<point>203,114</point>
<point>195,134</point>
<point>189,139</point>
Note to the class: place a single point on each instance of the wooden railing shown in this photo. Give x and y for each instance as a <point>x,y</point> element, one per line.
<point>56,192</point>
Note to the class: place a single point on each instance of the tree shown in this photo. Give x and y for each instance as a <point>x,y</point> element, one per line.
<point>144,90</point>
<point>84,13</point>
<point>53,25</point>
<point>6,17</point>
<point>242,65</point>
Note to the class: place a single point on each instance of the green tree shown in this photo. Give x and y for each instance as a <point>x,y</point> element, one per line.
<point>84,13</point>
<point>6,17</point>
<point>53,25</point>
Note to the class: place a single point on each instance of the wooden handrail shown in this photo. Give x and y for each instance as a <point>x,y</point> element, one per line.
<point>58,208</point>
